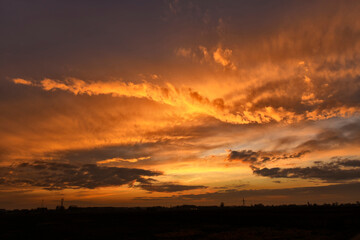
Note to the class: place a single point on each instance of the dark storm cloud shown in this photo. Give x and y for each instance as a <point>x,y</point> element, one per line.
<point>169,187</point>
<point>259,157</point>
<point>328,171</point>
<point>58,176</point>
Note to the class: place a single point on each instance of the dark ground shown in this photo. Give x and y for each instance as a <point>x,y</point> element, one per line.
<point>186,222</point>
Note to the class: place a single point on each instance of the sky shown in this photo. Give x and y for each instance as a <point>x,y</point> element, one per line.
<point>171,102</point>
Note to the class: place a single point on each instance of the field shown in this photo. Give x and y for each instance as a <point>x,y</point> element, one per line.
<point>185,222</point>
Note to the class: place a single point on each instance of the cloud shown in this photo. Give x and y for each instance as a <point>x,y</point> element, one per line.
<point>301,195</point>
<point>349,163</point>
<point>203,55</point>
<point>183,52</point>
<point>174,6</point>
<point>246,156</point>
<point>336,137</point>
<point>22,81</point>
<point>138,154</point>
<point>193,102</point>
<point>327,171</point>
<point>118,159</point>
<point>222,56</point>
<point>233,68</point>
<point>259,157</point>
<point>58,176</point>
<point>169,187</point>
<point>185,98</point>
<point>299,140</point>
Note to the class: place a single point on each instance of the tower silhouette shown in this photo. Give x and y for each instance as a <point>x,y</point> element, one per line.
<point>61,207</point>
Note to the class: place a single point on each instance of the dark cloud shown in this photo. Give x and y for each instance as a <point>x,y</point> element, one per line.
<point>332,171</point>
<point>247,156</point>
<point>259,157</point>
<point>350,163</point>
<point>331,193</point>
<point>340,161</point>
<point>169,187</point>
<point>58,176</point>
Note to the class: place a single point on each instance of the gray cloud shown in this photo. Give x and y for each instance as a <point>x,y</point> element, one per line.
<point>334,137</point>
<point>174,139</point>
<point>58,176</point>
<point>340,161</point>
<point>332,171</point>
<point>247,156</point>
<point>328,138</point>
<point>255,158</point>
<point>130,151</point>
<point>337,192</point>
<point>169,187</point>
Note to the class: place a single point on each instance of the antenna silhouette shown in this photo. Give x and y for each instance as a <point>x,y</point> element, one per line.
<point>61,207</point>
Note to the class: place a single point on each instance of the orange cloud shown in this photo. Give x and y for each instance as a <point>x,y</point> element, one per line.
<point>117,160</point>
<point>183,52</point>
<point>22,81</point>
<point>194,103</point>
<point>222,56</point>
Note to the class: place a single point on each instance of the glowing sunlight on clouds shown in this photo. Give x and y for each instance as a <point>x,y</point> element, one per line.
<point>181,103</point>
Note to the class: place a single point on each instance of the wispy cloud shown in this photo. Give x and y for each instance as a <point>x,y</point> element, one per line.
<point>193,102</point>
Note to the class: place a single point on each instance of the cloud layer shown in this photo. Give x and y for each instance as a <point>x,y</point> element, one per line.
<point>328,171</point>
<point>298,195</point>
<point>110,101</point>
<point>256,158</point>
<point>58,176</point>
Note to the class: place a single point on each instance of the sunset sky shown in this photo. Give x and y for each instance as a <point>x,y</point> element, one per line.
<point>143,103</point>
